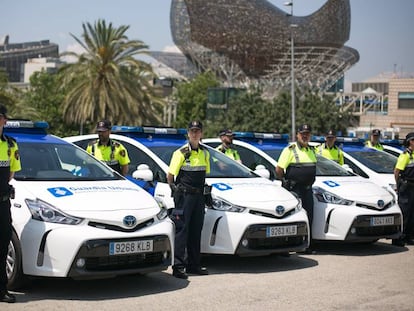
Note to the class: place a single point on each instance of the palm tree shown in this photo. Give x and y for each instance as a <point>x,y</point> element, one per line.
<point>107,82</point>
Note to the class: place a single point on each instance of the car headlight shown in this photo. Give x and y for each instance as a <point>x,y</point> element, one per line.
<point>163,213</point>
<point>328,197</point>
<point>220,204</point>
<point>46,212</point>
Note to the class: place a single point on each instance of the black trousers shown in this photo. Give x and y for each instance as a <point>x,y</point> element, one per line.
<point>5,236</point>
<point>406,203</point>
<point>306,195</point>
<point>188,216</point>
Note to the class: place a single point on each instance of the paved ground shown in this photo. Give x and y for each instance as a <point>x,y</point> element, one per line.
<point>339,277</point>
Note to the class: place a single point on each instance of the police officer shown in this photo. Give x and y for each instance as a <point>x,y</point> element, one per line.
<point>226,147</point>
<point>296,168</point>
<point>189,165</point>
<point>9,163</point>
<point>109,151</point>
<point>404,177</point>
<point>330,150</point>
<point>374,141</point>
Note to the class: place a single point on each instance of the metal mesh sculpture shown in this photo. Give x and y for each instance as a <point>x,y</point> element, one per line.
<point>248,40</point>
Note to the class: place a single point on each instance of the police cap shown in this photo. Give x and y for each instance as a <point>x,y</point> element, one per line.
<point>304,128</point>
<point>330,133</point>
<point>103,126</point>
<point>226,132</point>
<point>195,125</point>
<point>3,111</point>
<point>376,132</point>
<point>410,136</point>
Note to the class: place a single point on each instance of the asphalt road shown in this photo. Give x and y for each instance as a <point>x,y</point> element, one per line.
<point>338,277</point>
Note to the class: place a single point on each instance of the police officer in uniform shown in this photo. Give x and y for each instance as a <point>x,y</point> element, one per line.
<point>404,177</point>
<point>374,141</point>
<point>189,166</point>
<point>330,150</point>
<point>9,163</point>
<point>109,151</point>
<point>226,147</point>
<point>296,168</point>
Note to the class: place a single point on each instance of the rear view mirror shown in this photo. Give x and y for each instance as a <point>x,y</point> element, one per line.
<point>143,172</point>
<point>262,171</point>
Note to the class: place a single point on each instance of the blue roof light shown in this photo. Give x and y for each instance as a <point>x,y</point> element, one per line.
<point>147,130</point>
<point>26,124</point>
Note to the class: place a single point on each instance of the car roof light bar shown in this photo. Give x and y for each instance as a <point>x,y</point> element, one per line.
<point>26,124</point>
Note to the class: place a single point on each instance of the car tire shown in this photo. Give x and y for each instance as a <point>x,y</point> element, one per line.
<point>14,269</point>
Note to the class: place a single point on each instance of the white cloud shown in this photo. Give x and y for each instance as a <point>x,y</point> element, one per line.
<point>171,48</point>
<point>77,48</point>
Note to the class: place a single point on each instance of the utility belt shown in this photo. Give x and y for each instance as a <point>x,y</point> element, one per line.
<point>7,196</point>
<point>290,184</point>
<point>191,190</point>
<point>404,184</point>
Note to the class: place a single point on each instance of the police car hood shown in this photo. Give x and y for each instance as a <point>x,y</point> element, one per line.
<point>354,188</point>
<point>93,199</point>
<point>258,193</point>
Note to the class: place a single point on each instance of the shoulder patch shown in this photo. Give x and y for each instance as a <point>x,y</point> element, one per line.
<point>184,149</point>
<point>292,146</point>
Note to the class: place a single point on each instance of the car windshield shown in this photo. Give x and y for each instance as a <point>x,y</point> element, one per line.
<point>63,162</point>
<point>324,167</point>
<point>378,161</point>
<point>221,166</point>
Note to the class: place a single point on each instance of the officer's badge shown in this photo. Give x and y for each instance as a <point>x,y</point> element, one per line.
<point>122,153</point>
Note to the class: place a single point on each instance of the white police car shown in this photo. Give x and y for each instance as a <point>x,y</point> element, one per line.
<point>372,164</point>
<point>74,217</point>
<point>251,216</point>
<point>346,207</point>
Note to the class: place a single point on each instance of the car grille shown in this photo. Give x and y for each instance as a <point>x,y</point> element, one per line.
<point>269,215</point>
<point>376,208</point>
<point>361,227</point>
<point>105,226</point>
<point>123,262</point>
<point>257,240</point>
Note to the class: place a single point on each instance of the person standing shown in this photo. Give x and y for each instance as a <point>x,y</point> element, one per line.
<point>226,147</point>
<point>189,166</point>
<point>296,168</point>
<point>330,150</point>
<point>9,164</point>
<point>374,141</point>
<point>404,178</point>
<point>109,151</point>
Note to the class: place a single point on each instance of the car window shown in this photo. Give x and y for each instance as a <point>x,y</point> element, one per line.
<point>137,157</point>
<point>50,161</point>
<point>380,162</point>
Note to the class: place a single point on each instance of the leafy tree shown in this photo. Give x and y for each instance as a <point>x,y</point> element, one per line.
<point>45,97</point>
<point>107,81</point>
<point>192,98</point>
<point>9,96</point>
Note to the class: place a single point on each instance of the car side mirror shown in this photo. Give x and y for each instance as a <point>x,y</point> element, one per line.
<point>262,171</point>
<point>348,168</point>
<point>143,172</point>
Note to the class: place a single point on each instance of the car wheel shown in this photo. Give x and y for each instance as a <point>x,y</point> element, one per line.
<point>14,269</point>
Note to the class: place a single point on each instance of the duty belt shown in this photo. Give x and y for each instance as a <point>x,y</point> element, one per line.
<point>189,189</point>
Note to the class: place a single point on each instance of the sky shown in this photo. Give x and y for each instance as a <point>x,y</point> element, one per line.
<point>381,30</point>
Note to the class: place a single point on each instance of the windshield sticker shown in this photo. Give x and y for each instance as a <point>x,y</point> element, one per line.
<point>60,192</point>
<point>331,183</point>
<point>222,187</point>
<point>63,191</point>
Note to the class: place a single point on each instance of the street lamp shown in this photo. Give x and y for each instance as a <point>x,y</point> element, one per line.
<point>292,69</point>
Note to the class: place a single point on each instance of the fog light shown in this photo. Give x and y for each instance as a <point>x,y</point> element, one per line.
<point>245,243</point>
<point>353,230</point>
<point>80,263</point>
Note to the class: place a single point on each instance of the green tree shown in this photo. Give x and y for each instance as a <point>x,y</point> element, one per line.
<point>192,98</point>
<point>107,81</point>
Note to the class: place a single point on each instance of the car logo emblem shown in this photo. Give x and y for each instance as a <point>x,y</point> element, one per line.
<point>129,221</point>
<point>280,210</point>
<point>381,203</point>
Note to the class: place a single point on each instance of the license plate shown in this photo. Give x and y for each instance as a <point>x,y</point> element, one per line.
<point>381,221</point>
<point>130,247</point>
<point>281,231</point>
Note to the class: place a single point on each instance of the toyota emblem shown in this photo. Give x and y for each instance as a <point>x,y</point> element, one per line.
<point>129,221</point>
<point>381,203</point>
<point>280,210</point>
